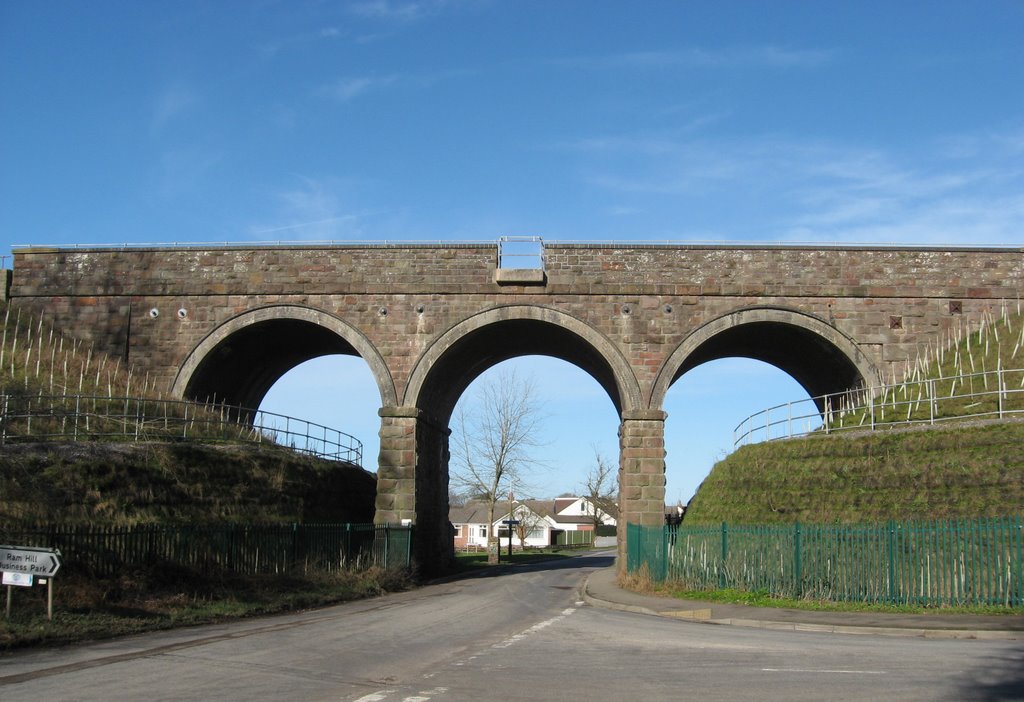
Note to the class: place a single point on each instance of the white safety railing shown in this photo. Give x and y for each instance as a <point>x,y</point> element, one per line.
<point>993,394</point>
<point>86,417</point>
<point>521,252</point>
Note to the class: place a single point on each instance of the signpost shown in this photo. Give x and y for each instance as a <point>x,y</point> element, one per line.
<point>510,523</point>
<point>22,565</point>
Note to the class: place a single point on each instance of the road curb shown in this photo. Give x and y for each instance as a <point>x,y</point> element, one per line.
<point>703,616</point>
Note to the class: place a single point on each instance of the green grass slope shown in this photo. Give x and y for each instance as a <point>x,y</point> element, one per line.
<point>149,482</point>
<point>948,473</point>
<point>152,483</point>
<point>964,469</point>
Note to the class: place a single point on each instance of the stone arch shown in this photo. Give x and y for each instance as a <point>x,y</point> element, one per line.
<point>413,475</point>
<point>469,348</point>
<point>818,356</point>
<point>243,357</point>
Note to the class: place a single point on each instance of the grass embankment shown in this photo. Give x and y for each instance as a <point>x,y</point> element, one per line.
<point>962,470</point>
<point>949,473</point>
<point>168,482</point>
<point>157,483</point>
<point>111,484</point>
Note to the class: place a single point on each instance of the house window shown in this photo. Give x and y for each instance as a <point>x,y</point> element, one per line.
<point>483,532</point>
<point>458,530</point>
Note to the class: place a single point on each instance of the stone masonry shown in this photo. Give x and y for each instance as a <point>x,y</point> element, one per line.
<point>429,318</point>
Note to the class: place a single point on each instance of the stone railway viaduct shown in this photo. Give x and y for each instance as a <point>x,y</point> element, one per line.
<point>228,321</point>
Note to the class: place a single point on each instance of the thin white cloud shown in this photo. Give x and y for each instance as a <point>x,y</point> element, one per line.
<point>390,11</point>
<point>349,88</point>
<point>306,225</point>
<point>173,102</point>
<point>818,191</point>
<point>183,171</point>
<point>407,11</point>
<point>702,57</point>
<point>272,48</point>
<point>313,209</point>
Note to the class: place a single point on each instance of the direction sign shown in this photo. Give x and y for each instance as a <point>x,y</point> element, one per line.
<point>29,560</point>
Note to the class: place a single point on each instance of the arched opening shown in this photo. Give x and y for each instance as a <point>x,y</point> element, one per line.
<point>336,391</point>
<point>819,357</point>
<point>705,405</point>
<point>549,447</point>
<point>240,360</point>
<point>740,364</point>
<point>446,370</point>
<point>578,419</point>
<point>242,367</point>
<point>491,344</point>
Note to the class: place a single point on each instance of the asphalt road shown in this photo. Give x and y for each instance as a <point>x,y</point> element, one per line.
<point>519,635</point>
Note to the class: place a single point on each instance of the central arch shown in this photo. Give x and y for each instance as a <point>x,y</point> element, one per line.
<point>443,373</point>
<point>482,341</point>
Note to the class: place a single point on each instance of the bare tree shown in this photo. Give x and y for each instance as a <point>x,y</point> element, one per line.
<point>597,488</point>
<point>528,520</point>
<point>492,443</point>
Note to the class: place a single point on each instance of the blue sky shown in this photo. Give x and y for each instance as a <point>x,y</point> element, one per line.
<point>894,122</point>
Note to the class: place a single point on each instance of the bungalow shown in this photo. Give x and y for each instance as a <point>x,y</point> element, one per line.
<point>540,522</point>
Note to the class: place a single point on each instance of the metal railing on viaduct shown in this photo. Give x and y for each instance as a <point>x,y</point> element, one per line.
<point>90,417</point>
<point>995,394</point>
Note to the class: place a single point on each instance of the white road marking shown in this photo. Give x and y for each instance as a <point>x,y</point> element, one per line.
<point>425,695</point>
<point>421,696</point>
<point>833,672</point>
<point>534,629</point>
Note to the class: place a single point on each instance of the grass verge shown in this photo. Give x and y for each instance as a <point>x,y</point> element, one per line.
<point>165,597</point>
<point>640,582</point>
<point>761,598</point>
<point>468,561</point>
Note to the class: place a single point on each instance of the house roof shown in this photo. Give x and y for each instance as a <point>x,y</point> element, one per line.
<point>608,506</point>
<point>475,512</point>
<point>561,503</point>
<point>469,513</point>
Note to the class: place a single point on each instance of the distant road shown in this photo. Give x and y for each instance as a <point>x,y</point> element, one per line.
<point>518,634</point>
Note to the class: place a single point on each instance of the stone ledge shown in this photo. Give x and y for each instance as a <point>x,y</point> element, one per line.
<point>520,276</point>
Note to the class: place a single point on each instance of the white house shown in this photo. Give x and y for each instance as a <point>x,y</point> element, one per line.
<point>584,508</point>
<point>540,522</point>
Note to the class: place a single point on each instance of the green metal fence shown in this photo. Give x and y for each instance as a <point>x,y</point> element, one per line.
<point>243,549</point>
<point>972,562</point>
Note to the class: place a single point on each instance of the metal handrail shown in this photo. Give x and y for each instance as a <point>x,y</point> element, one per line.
<point>90,417</point>
<point>992,394</point>
<point>616,243</point>
<point>508,249</point>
